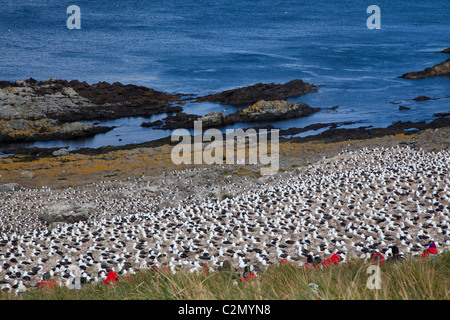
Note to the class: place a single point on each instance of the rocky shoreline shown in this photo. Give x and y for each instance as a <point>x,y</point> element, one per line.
<point>60,109</point>
<point>70,101</point>
<point>56,109</point>
<point>441,69</point>
<point>333,134</point>
<point>53,109</point>
<point>246,96</point>
<point>336,134</point>
<point>259,112</point>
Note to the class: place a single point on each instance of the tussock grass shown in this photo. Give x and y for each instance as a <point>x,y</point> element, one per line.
<point>409,279</point>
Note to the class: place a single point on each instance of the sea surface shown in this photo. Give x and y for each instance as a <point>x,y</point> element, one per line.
<point>207,46</point>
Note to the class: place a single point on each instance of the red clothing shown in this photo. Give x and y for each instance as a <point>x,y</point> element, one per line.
<point>46,284</point>
<point>377,257</point>
<point>333,259</point>
<point>431,250</point>
<point>205,269</point>
<point>111,278</point>
<point>247,276</point>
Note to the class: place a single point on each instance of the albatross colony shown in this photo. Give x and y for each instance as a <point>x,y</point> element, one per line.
<point>351,204</point>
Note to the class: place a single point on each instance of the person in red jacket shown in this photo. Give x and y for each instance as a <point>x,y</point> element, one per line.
<point>377,257</point>
<point>430,251</point>
<point>205,269</point>
<point>46,282</point>
<point>247,275</point>
<point>334,259</point>
<point>111,278</point>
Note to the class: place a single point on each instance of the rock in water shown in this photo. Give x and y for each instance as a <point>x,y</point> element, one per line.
<point>261,91</point>
<point>441,69</point>
<point>214,119</point>
<point>258,112</point>
<point>422,98</point>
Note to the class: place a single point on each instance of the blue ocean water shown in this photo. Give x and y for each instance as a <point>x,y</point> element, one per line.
<point>206,46</point>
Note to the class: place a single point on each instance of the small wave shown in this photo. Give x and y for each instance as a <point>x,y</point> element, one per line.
<point>305,66</point>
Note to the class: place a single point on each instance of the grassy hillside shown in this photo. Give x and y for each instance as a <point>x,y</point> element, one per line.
<point>412,278</point>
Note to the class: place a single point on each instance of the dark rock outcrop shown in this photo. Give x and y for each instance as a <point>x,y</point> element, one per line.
<point>441,115</point>
<point>52,109</point>
<point>446,50</point>
<point>423,98</point>
<point>249,95</point>
<point>344,134</point>
<point>261,111</point>
<point>180,120</point>
<point>74,100</point>
<point>441,69</point>
<point>315,126</point>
